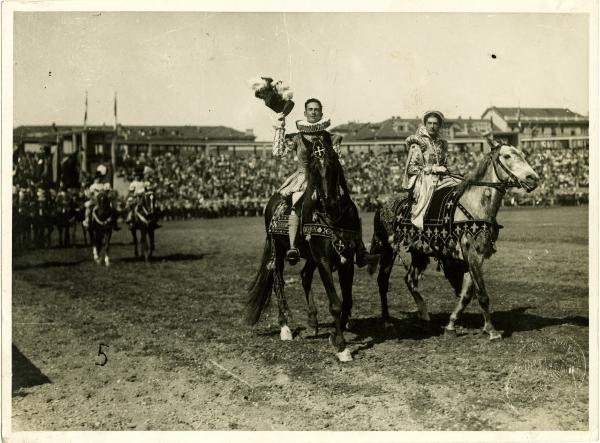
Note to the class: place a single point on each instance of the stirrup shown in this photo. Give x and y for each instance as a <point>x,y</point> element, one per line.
<point>292,256</point>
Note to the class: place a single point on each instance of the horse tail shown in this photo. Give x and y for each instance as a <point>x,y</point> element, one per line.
<point>376,241</point>
<point>259,292</point>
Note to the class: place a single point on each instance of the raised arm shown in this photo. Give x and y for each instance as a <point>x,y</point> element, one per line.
<point>280,146</point>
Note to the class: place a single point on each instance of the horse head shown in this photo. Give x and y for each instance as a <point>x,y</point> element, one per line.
<point>325,179</point>
<point>63,203</point>
<point>149,202</point>
<point>511,167</point>
<point>103,204</point>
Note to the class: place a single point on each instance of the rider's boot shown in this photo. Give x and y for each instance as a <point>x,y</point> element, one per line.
<point>293,256</point>
<point>363,258</point>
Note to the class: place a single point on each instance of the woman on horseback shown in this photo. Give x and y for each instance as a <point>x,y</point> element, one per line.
<point>426,170</point>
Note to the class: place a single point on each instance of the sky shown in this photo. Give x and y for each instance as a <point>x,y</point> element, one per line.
<point>193,68</point>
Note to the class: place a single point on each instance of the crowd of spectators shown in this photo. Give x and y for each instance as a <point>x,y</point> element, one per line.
<point>235,185</point>
<point>199,185</point>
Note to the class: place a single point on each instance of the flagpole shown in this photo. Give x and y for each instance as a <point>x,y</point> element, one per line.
<point>84,144</point>
<point>113,148</point>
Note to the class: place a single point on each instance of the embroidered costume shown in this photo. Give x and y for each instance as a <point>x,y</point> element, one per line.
<point>311,137</point>
<point>91,194</point>
<point>425,170</point>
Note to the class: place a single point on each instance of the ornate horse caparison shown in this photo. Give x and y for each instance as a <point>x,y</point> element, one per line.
<point>462,252</point>
<point>324,198</point>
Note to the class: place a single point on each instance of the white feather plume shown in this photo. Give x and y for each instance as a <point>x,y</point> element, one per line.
<point>257,83</point>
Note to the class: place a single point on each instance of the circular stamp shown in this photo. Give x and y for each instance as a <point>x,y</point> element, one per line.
<point>546,369</point>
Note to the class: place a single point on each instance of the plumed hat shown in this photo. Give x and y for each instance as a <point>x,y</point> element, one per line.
<point>276,95</point>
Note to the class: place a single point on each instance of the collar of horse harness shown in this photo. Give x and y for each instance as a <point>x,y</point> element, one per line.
<point>100,222</point>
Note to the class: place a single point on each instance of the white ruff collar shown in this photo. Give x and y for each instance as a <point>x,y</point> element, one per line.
<point>306,127</point>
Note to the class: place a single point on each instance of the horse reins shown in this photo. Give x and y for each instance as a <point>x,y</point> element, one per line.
<point>512,182</point>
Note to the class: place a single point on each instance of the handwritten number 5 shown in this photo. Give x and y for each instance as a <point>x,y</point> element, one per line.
<point>100,352</point>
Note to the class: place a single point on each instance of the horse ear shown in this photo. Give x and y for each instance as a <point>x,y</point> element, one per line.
<point>493,143</point>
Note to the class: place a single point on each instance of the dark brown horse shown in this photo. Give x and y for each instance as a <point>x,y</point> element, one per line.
<point>43,222</point>
<point>65,218</point>
<point>462,256</point>
<point>101,227</point>
<point>326,202</point>
<point>144,219</point>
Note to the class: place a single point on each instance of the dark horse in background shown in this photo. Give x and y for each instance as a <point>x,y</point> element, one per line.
<point>65,218</point>
<point>327,205</point>
<point>101,227</point>
<point>474,229</point>
<point>43,221</point>
<point>144,219</point>
<point>70,177</point>
<point>23,214</point>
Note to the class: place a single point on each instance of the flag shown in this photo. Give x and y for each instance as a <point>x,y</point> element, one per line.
<point>115,111</point>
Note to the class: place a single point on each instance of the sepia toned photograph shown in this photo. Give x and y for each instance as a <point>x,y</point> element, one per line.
<point>288,220</point>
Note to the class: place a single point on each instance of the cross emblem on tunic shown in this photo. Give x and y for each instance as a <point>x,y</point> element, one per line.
<point>319,151</point>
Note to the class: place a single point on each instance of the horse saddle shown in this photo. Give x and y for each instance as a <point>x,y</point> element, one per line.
<point>344,240</point>
<point>441,232</point>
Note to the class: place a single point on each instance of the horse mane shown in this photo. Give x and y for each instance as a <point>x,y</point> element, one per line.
<point>475,175</point>
<point>331,161</point>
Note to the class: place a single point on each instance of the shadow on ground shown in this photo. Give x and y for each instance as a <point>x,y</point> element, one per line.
<point>409,327</point>
<point>49,264</point>
<point>161,258</point>
<point>25,373</point>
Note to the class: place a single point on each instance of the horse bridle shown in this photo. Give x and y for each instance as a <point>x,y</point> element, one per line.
<point>512,182</point>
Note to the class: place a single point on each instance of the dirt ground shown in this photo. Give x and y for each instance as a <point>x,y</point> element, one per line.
<point>180,358</point>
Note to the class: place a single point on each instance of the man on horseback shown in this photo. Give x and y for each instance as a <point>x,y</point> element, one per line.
<point>99,185</point>
<point>312,137</point>
<point>426,170</point>
<point>140,185</point>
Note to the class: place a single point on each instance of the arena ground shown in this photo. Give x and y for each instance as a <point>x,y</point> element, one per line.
<point>180,358</point>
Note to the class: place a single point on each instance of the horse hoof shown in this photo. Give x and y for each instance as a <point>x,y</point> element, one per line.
<point>344,356</point>
<point>286,334</point>
<point>495,335</point>
<point>449,332</point>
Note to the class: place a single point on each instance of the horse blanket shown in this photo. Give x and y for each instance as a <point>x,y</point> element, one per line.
<point>344,241</point>
<point>440,233</point>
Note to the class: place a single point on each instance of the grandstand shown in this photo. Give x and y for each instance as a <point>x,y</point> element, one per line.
<point>221,171</point>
